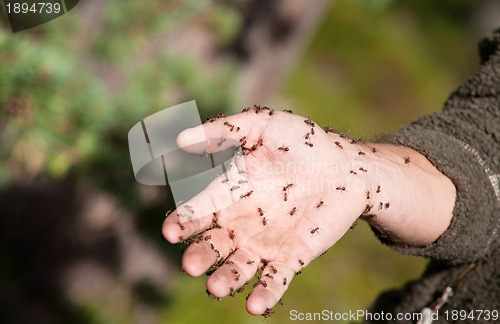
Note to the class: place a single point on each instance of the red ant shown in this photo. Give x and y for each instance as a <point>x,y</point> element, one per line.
<point>378,189</point>
<point>309,122</point>
<point>271,112</point>
<point>247,194</point>
<point>353,226</point>
<point>245,109</point>
<point>315,230</point>
<point>286,197</point>
<point>361,153</point>
<point>229,262</point>
<point>328,129</point>
<point>243,139</point>
<point>273,269</point>
<point>283,148</point>
<point>374,150</point>
<point>323,253</point>
<point>312,131</point>
<point>231,235</point>
<point>362,169</point>
<point>208,237</point>
<point>288,186</point>
<point>221,115</point>
<point>233,188</point>
<point>181,226</point>
<point>407,160</point>
<point>242,181</point>
<point>307,136</point>
<point>301,262</point>
<point>353,172</point>
<point>341,188</point>
<point>309,144</point>
<point>292,212</point>
<point>387,205</point>
<point>381,205</point>
<point>321,203</point>
<point>261,212</point>
<point>367,195</point>
<point>367,209</point>
<point>264,221</point>
<point>284,281</point>
<point>250,262</point>
<point>288,111</point>
<point>339,145</point>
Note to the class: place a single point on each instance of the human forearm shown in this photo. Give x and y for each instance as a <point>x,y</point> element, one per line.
<point>410,200</point>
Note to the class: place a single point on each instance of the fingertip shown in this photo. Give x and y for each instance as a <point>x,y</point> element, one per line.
<point>256,305</point>
<point>171,232</point>
<point>195,260</point>
<point>191,136</point>
<point>218,285</point>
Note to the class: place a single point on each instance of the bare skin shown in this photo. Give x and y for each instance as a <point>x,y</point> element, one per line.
<point>306,187</point>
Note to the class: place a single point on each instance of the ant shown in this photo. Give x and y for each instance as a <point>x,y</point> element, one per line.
<point>263,283</point>
<point>315,230</point>
<point>387,205</point>
<point>363,169</point>
<point>222,140</point>
<point>367,195</point>
<point>231,235</point>
<point>292,212</point>
<point>374,150</point>
<point>234,271</point>
<point>245,109</point>
<point>284,281</point>
<point>267,313</point>
<point>367,209</point>
<point>309,144</point>
<point>309,122</point>
<point>273,269</point>
<point>323,253</point>
<point>247,194</point>
<point>271,112</point>
<point>298,272</point>
<point>328,129</point>
<point>353,226</point>
<point>231,291</point>
<point>353,172</point>
<point>283,148</point>
<point>221,115</point>
<point>229,262</point>
<point>237,278</point>
<point>321,203</point>
<point>312,131</point>
<point>288,111</point>
<point>233,188</point>
<point>208,237</point>
<point>250,262</point>
<point>288,186</point>
<point>307,136</point>
<point>381,205</point>
<point>264,221</point>
<point>407,160</point>
<point>341,188</point>
<point>181,226</point>
<point>240,289</point>
<point>301,262</point>
<point>361,152</point>
<point>286,197</point>
<point>269,275</point>
<point>339,145</point>
<point>261,212</point>
<point>242,181</point>
<point>378,189</point>
<point>209,117</point>
<point>243,139</point>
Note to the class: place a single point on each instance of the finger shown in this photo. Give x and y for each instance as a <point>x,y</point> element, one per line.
<point>215,245</point>
<point>203,210</point>
<point>244,128</point>
<point>236,272</point>
<point>274,281</point>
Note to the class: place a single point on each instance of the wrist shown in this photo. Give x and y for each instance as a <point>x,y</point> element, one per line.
<point>410,200</point>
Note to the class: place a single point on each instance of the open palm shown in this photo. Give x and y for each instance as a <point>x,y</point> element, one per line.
<point>298,188</point>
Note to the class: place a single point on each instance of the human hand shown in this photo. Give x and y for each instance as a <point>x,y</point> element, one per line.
<point>306,186</point>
